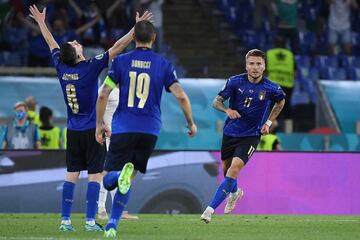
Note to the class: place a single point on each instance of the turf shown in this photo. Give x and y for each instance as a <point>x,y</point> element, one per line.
<point>186,227</point>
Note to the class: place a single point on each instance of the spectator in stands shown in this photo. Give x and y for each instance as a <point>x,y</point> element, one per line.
<point>49,135</point>
<point>340,24</point>
<point>288,23</point>
<point>281,70</point>
<point>33,116</point>
<point>63,34</point>
<point>117,19</point>
<point>15,39</point>
<point>155,6</point>
<point>95,34</point>
<point>21,133</point>
<point>270,142</point>
<point>260,6</point>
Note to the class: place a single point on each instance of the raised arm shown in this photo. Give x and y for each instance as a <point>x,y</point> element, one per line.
<point>112,8</point>
<point>88,25</point>
<point>39,17</point>
<point>184,103</point>
<point>101,102</point>
<point>123,42</point>
<point>272,117</point>
<point>76,8</point>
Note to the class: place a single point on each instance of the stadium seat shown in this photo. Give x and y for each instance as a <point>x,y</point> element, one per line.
<point>300,98</point>
<point>323,61</point>
<point>354,74</point>
<point>314,73</point>
<point>356,43</point>
<point>349,62</point>
<point>252,39</point>
<point>307,42</point>
<point>303,61</point>
<point>331,73</point>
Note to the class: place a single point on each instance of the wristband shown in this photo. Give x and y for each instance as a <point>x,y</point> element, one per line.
<point>268,123</point>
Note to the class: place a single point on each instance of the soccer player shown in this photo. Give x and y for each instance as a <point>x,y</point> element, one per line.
<point>141,75</point>
<point>113,101</point>
<point>78,78</point>
<point>251,96</point>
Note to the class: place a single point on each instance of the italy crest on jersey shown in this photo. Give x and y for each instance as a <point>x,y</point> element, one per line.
<point>262,95</point>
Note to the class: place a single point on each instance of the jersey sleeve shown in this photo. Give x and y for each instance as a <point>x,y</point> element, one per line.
<point>171,77</point>
<point>99,62</point>
<point>112,77</point>
<point>227,89</point>
<point>277,94</point>
<point>55,55</point>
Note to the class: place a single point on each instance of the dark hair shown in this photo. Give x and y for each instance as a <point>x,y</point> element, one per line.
<point>255,53</point>
<point>144,31</point>
<point>68,54</point>
<point>45,114</point>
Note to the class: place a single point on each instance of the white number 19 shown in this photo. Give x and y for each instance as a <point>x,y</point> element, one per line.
<point>142,84</point>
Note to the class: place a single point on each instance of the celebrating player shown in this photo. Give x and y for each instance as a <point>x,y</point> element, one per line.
<point>251,96</point>
<point>78,78</point>
<point>141,75</point>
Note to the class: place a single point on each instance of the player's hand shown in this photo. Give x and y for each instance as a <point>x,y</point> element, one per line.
<point>99,133</point>
<point>36,14</point>
<point>192,129</point>
<point>147,16</point>
<point>265,130</point>
<point>232,114</point>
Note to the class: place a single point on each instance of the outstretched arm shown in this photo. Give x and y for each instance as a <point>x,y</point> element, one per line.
<point>101,102</point>
<point>184,103</point>
<point>123,42</point>
<point>39,17</point>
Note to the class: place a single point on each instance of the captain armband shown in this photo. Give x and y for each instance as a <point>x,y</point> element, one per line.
<point>109,82</point>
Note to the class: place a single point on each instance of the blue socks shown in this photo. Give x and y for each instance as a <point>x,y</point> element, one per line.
<point>235,188</point>
<point>225,187</point>
<point>67,200</point>
<point>119,203</point>
<point>92,198</point>
<point>110,180</point>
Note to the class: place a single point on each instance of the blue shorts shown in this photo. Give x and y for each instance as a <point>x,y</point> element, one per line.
<point>130,147</point>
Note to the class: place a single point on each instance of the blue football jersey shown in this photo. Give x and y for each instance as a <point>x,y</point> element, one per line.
<point>142,76</point>
<point>79,84</point>
<point>252,101</point>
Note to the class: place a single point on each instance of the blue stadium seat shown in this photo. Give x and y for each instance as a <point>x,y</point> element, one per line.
<point>252,39</point>
<point>300,98</point>
<point>331,73</point>
<point>323,61</point>
<point>307,42</point>
<point>303,61</point>
<point>348,62</point>
<point>355,37</point>
<point>354,74</point>
<point>314,73</point>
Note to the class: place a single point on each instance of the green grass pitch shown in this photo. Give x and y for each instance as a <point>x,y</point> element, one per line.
<point>188,227</point>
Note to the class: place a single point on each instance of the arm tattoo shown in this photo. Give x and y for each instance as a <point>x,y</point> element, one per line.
<point>276,110</point>
<point>218,103</point>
